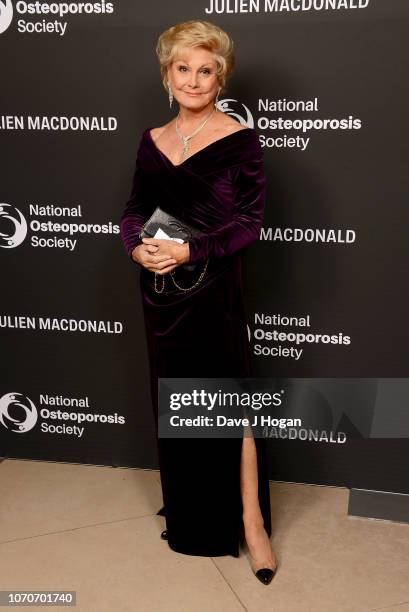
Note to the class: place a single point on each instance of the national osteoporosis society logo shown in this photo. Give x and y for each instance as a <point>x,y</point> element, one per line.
<point>45,231</point>
<point>13,226</point>
<point>17,412</point>
<point>238,110</point>
<point>6,15</point>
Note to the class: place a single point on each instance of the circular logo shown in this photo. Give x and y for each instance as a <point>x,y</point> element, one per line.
<point>11,405</point>
<point>242,114</point>
<point>12,238</point>
<point>6,15</point>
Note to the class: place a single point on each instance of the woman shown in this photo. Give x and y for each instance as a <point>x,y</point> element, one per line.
<point>205,169</point>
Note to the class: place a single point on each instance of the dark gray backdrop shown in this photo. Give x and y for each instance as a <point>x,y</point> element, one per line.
<point>354,62</point>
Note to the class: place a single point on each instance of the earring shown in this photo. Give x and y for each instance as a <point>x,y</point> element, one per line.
<point>217,98</point>
<point>170,96</point>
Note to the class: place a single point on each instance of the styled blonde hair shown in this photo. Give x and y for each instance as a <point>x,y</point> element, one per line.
<point>196,33</point>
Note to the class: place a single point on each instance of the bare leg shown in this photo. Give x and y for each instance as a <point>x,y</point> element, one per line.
<point>256,536</point>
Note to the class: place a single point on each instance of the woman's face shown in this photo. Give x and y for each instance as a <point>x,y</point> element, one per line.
<point>192,77</point>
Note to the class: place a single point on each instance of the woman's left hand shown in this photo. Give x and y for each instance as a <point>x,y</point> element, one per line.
<point>173,249</point>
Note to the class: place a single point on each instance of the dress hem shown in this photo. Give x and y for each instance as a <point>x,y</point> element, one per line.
<point>203,553</point>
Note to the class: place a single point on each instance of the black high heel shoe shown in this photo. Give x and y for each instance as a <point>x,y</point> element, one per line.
<point>265,574</point>
<point>164,535</point>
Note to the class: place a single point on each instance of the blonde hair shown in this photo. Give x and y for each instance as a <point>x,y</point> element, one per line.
<point>196,33</point>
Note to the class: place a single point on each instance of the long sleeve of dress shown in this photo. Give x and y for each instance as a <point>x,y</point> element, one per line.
<point>137,210</point>
<point>245,226</point>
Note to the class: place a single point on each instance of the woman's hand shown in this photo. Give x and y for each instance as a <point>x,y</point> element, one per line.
<point>160,255</point>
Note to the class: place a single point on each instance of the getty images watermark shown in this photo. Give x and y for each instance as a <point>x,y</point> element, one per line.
<point>316,410</point>
<point>220,407</point>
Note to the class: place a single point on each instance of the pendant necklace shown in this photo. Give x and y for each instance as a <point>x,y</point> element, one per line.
<point>185,139</point>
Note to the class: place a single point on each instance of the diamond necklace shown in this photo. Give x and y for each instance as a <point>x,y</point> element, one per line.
<point>185,139</point>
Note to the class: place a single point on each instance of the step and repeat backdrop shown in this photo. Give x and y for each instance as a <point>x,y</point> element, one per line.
<point>324,84</point>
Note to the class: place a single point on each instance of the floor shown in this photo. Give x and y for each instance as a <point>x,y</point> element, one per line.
<point>94,530</point>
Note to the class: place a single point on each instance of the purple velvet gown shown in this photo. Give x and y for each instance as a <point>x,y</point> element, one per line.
<point>201,333</point>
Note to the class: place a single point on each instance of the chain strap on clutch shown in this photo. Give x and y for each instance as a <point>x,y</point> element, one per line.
<point>172,274</point>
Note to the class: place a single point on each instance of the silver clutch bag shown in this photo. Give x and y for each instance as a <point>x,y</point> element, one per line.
<point>174,228</point>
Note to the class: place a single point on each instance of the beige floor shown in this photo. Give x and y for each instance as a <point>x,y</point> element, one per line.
<point>94,530</point>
